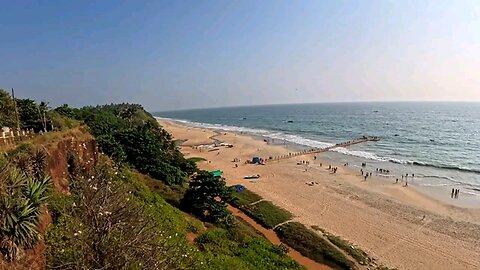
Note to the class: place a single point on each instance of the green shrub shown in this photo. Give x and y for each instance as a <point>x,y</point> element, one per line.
<point>20,199</point>
<point>267,214</point>
<point>249,252</point>
<point>358,254</point>
<point>194,226</point>
<point>242,229</point>
<point>196,159</point>
<point>244,197</point>
<point>311,245</point>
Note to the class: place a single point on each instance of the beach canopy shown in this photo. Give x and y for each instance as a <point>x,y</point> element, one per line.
<point>217,173</point>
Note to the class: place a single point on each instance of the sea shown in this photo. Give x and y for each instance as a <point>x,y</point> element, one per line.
<point>437,142</point>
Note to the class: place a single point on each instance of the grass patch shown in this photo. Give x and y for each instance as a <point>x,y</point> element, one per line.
<point>242,229</point>
<point>229,252</point>
<point>171,194</point>
<point>356,253</point>
<point>196,159</point>
<point>267,214</point>
<point>244,197</point>
<point>317,228</point>
<point>311,245</point>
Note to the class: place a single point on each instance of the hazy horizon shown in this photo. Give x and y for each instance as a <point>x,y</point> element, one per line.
<point>320,103</point>
<point>171,55</point>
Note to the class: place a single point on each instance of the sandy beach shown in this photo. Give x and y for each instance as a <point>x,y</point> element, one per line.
<point>399,226</point>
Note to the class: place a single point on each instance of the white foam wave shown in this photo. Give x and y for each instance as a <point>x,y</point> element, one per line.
<point>218,126</point>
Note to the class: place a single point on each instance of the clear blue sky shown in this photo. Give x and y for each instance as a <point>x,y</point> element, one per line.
<point>190,54</point>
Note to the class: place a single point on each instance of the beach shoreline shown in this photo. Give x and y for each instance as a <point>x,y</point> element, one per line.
<point>439,193</point>
<point>395,224</point>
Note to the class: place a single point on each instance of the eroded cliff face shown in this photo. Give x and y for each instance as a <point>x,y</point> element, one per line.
<point>60,155</point>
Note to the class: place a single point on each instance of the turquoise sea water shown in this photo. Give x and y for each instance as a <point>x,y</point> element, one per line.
<point>438,142</point>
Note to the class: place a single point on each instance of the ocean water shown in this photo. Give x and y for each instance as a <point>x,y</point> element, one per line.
<point>438,142</point>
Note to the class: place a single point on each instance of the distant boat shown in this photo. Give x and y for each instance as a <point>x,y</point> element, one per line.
<point>432,140</point>
<point>375,111</point>
<point>244,118</point>
<point>290,121</point>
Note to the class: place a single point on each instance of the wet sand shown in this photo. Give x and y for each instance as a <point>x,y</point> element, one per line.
<point>399,226</point>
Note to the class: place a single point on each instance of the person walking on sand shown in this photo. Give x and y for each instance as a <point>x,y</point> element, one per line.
<point>366,175</point>
<point>396,181</point>
<point>453,191</point>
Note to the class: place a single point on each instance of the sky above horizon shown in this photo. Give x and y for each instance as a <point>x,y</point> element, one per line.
<point>177,54</point>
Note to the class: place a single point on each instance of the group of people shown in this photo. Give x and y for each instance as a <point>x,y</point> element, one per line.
<point>332,169</point>
<point>382,171</point>
<point>367,174</point>
<point>455,192</point>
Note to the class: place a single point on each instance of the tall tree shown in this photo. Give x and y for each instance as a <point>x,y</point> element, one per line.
<point>206,198</point>
<point>7,110</point>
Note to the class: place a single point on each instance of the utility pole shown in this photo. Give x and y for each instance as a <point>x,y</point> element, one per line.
<point>16,110</point>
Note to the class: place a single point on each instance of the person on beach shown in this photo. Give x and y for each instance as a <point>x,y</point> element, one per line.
<point>396,181</point>
<point>453,191</point>
<point>366,175</point>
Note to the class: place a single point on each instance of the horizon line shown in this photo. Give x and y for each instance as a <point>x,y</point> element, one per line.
<point>314,103</point>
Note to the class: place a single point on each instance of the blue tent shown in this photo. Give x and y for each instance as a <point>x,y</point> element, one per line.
<point>255,160</point>
<point>239,188</point>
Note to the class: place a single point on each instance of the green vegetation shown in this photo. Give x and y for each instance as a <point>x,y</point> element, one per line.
<point>126,133</point>
<point>113,221</point>
<point>267,214</point>
<point>244,198</point>
<point>124,213</point>
<point>23,189</point>
<point>196,159</point>
<point>205,198</point>
<point>7,110</point>
<point>227,251</point>
<point>311,245</point>
<point>356,253</point>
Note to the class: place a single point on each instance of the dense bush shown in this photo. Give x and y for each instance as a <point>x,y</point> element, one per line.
<point>311,245</point>
<point>228,252</point>
<point>21,196</point>
<point>206,198</point>
<point>267,214</point>
<point>111,223</point>
<point>127,133</point>
<point>244,197</point>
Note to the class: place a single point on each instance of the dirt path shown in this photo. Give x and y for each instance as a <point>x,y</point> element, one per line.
<point>273,238</point>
